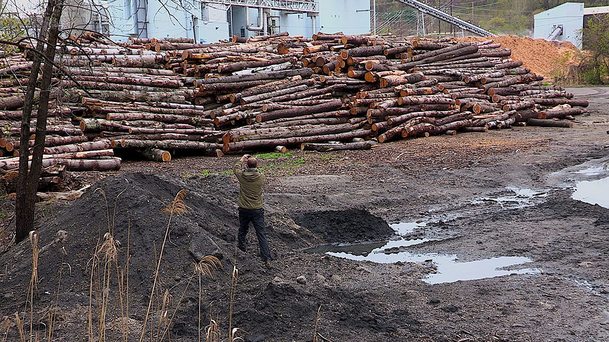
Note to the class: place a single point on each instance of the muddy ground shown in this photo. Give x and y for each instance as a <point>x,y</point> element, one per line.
<point>466,192</point>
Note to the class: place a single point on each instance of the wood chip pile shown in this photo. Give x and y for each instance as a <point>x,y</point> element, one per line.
<point>330,92</point>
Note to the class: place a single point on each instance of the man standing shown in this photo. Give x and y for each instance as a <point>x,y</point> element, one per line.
<point>251,204</point>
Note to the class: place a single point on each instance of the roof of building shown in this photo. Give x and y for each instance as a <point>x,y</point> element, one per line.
<point>596,10</point>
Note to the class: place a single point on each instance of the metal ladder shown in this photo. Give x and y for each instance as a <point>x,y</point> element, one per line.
<point>436,13</point>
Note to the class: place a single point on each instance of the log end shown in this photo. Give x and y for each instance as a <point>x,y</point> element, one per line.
<point>165,156</point>
<point>370,77</point>
<point>281,149</point>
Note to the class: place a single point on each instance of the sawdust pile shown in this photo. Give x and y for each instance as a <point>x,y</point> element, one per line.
<point>550,59</point>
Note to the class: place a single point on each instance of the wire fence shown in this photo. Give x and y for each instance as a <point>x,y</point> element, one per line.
<point>395,18</point>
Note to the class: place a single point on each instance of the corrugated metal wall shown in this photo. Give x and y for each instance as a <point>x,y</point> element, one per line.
<point>569,15</point>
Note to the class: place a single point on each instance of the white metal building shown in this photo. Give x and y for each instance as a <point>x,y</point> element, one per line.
<point>214,20</point>
<point>565,22</point>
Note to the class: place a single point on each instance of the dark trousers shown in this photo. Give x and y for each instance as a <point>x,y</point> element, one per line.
<point>255,216</point>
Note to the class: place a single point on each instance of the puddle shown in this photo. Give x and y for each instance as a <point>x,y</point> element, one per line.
<point>448,268</point>
<point>405,228</point>
<point>593,192</point>
<point>516,199</point>
<point>589,181</point>
<point>593,171</point>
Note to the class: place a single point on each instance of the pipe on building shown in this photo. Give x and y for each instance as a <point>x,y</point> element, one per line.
<point>556,31</point>
<point>250,27</point>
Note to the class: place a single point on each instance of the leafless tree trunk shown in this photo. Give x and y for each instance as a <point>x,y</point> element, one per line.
<point>27,183</point>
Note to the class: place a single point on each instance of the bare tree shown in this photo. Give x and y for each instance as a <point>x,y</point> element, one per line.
<point>29,174</point>
<point>44,32</point>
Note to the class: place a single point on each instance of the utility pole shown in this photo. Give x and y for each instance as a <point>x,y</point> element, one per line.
<point>439,21</point>
<point>374,17</point>
<point>452,27</point>
<point>472,11</point>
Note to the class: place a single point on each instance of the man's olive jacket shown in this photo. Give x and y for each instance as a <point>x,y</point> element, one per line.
<point>250,191</point>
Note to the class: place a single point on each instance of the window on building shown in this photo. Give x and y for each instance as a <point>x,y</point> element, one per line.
<point>127,9</point>
<point>204,12</point>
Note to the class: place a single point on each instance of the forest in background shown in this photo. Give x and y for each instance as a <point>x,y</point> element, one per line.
<point>497,16</point>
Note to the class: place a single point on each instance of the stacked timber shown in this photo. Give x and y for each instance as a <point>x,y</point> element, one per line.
<point>66,148</point>
<point>334,91</point>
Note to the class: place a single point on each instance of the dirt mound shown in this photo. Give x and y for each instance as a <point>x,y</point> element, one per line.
<point>345,225</point>
<point>550,59</point>
<point>130,208</point>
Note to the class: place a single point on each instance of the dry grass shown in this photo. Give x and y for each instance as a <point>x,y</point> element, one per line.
<point>106,273</point>
<point>231,302</point>
<point>205,268</point>
<point>20,327</point>
<point>34,278</point>
<point>316,325</point>
<point>105,257</point>
<point>212,332</point>
<point>177,206</point>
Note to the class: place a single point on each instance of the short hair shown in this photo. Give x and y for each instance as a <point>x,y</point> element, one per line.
<point>252,162</point>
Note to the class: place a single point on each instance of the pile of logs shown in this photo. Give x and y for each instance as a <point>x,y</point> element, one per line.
<point>331,92</point>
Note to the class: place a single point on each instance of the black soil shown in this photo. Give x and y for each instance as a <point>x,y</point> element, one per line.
<point>350,225</point>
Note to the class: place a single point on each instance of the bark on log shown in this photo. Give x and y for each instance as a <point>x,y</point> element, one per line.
<point>167,145</point>
<point>286,113</point>
<point>560,113</point>
<point>253,144</point>
<point>11,103</point>
<point>167,118</point>
<point>87,146</point>
<point>328,147</point>
<point>549,123</point>
<point>560,101</point>
<point>273,75</point>
<point>395,80</point>
<point>277,93</point>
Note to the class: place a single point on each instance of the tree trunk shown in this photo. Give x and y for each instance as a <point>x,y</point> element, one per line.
<point>25,201</point>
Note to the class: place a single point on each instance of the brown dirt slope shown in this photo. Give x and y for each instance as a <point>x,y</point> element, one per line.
<point>543,57</point>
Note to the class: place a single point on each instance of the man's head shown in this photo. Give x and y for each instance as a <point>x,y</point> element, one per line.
<point>252,163</point>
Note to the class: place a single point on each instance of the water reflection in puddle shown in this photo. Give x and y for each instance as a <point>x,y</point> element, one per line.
<point>593,192</point>
<point>589,180</point>
<point>518,198</point>
<point>448,268</point>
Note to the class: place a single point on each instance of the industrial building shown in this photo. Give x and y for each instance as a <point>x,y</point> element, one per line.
<point>213,20</point>
<point>565,22</point>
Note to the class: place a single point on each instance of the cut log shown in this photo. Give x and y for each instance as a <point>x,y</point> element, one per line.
<point>294,112</point>
<point>158,155</point>
<point>253,144</point>
<point>86,146</point>
<point>167,145</point>
<point>560,113</point>
<point>11,102</point>
<point>273,75</point>
<point>549,123</point>
<point>329,147</point>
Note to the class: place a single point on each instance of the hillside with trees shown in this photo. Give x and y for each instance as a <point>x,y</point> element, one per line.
<point>498,16</point>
